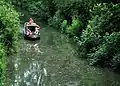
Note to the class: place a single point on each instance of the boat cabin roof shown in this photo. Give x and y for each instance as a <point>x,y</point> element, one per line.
<point>33,25</point>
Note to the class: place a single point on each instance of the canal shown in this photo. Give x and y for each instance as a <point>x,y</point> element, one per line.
<point>53,61</point>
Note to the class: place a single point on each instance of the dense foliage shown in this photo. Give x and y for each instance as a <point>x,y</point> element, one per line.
<point>100,38</point>
<point>9,27</point>
<point>2,66</point>
<point>93,24</point>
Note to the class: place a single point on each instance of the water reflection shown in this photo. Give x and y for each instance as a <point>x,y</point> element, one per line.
<point>33,75</point>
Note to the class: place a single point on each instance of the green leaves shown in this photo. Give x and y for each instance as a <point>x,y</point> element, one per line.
<point>74,27</point>
<point>9,25</point>
<point>102,35</point>
<point>9,28</point>
<point>2,65</point>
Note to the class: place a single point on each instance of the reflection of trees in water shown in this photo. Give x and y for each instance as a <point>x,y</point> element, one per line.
<point>34,75</point>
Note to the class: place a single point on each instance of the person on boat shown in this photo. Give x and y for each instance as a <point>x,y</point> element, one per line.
<point>28,32</point>
<point>30,21</point>
<point>37,28</point>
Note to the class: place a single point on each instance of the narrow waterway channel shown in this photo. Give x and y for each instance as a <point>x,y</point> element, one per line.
<point>52,61</point>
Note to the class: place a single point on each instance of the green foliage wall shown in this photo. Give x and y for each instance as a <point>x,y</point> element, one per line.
<point>2,66</point>
<point>9,28</point>
<point>9,21</point>
<point>100,38</point>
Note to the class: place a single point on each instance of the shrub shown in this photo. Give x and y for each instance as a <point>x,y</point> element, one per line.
<point>107,18</point>
<point>116,62</point>
<point>9,28</point>
<point>2,65</point>
<point>103,21</point>
<point>108,52</point>
<point>99,41</point>
<point>56,20</point>
<point>38,9</point>
<point>9,21</point>
<point>75,27</point>
<point>63,26</point>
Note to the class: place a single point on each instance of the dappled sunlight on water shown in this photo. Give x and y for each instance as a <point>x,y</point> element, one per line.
<point>33,75</point>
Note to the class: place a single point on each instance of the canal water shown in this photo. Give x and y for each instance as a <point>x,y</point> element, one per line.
<point>53,61</point>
